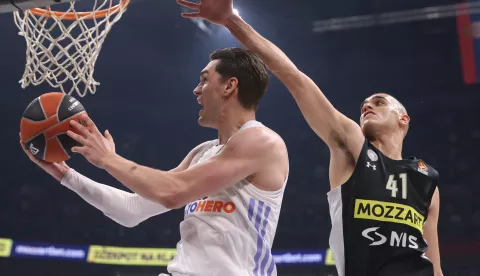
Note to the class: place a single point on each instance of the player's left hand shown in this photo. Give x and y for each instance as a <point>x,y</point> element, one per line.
<point>96,147</point>
<point>215,11</point>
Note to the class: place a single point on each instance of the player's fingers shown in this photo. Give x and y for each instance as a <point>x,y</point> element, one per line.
<point>23,145</point>
<point>80,150</point>
<point>191,14</point>
<point>189,4</point>
<point>89,124</point>
<point>25,148</point>
<point>81,127</point>
<point>108,136</point>
<point>76,137</point>
<point>21,142</point>
<point>28,153</point>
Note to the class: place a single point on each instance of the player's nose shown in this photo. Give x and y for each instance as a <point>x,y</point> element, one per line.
<point>366,106</point>
<point>197,91</point>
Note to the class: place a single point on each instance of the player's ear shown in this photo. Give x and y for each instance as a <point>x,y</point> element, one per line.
<point>231,85</point>
<point>404,119</point>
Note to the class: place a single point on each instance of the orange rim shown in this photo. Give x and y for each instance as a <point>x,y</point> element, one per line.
<point>76,15</point>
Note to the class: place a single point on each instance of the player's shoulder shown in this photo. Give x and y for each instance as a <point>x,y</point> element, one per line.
<point>260,135</point>
<point>426,168</point>
<point>258,140</point>
<point>203,146</point>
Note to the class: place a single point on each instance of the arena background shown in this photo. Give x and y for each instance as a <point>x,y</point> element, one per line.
<point>148,67</point>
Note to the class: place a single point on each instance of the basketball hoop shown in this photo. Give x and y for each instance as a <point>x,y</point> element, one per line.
<point>63,46</point>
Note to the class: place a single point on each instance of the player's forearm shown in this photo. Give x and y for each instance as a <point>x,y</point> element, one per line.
<point>433,253</point>
<point>271,55</point>
<point>317,110</point>
<point>125,208</point>
<point>437,271</point>
<point>158,186</point>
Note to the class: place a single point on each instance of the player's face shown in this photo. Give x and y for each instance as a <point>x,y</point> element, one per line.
<point>379,112</point>
<point>209,96</point>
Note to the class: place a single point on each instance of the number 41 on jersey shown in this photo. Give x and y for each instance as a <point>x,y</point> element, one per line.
<point>392,184</point>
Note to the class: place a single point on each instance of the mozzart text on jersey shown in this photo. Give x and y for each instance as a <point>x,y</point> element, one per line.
<point>388,212</point>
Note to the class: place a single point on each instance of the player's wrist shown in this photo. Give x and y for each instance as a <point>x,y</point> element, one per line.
<point>108,160</point>
<point>64,174</point>
<point>57,171</point>
<point>64,170</point>
<point>232,21</point>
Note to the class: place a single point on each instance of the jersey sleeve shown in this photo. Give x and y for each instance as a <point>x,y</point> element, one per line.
<point>127,209</point>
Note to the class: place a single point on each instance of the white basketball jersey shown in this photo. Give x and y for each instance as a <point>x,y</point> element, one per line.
<point>230,233</point>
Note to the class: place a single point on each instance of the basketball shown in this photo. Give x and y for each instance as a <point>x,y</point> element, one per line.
<point>44,125</point>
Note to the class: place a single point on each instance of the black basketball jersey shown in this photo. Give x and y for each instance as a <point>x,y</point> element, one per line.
<point>378,216</point>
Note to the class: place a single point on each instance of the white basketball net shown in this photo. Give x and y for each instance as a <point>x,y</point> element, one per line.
<point>62,48</point>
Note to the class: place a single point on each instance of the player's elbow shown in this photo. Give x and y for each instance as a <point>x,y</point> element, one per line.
<point>172,199</point>
<point>175,194</point>
<point>169,201</point>
<point>129,223</point>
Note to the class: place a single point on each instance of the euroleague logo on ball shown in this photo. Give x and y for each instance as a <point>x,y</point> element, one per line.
<point>33,149</point>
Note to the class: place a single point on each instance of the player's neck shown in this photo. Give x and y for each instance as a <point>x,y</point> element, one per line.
<point>390,145</point>
<point>231,121</point>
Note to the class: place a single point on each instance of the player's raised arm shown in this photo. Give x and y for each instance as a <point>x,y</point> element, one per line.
<point>333,127</point>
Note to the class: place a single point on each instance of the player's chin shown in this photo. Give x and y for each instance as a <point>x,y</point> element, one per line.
<point>370,122</point>
<point>202,121</point>
<point>369,126</point>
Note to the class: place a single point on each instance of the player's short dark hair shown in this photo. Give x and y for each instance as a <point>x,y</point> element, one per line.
<point>248,68</point>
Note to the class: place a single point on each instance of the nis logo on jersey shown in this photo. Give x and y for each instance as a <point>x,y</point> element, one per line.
<point>395,239</point>
<point>388,212</point>
<point>210,206</point>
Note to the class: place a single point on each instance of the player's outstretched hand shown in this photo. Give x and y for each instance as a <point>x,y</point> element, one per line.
<point>215,11</point>
<point>57,170</point>
<point>96,148</point>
